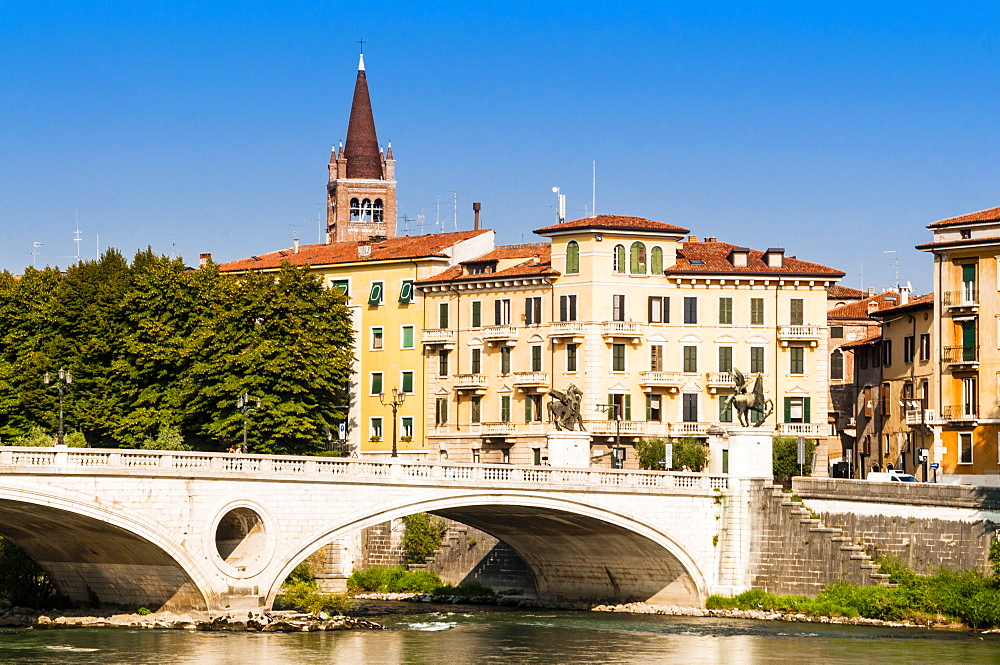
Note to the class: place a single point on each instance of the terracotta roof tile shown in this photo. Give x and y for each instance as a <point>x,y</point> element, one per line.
<point>917,302</point>
<point>543,250</point>
<point>713,257</point>
<point>871,339</point>
<point>838,292</point>
<point>859,308</point>
<point>614,222</point>
<point>962,241</point>
<point>402,247</point>
<point>526,269</point>
<point>988,215</point>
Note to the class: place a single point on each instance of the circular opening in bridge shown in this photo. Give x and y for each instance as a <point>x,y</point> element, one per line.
<point>240,537</point>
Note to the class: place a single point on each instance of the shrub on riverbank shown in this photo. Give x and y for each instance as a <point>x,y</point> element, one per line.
<point>967,596</point>
<point>301,592</point>
<point>399,580</point>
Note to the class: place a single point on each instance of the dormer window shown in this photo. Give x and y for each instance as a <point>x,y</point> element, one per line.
<point>966,234</point>
<point>480,268</point>
<point>774,257</point>
<point>740,257</point>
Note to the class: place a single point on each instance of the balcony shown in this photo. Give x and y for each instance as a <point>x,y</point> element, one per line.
<point>802,429</point>
<point>566,331</point>
<point>475,383</point>
<point>964,301</point>
<point>921,417</point>
<point>500,335</point>
<point>720,381</point>
<point>671,381</point>
<point>440,337</point>
<point>498,430</point>
<point>531,381</point>
<point>609,427</point>
<point>960,357</point>
<point>811,334</point>
<point>689,429</point>
<point>611,330</point>
<point>958,413</point>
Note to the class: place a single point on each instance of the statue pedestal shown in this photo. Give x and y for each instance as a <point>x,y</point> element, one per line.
<point>751,452</point>
<point>568,449</point>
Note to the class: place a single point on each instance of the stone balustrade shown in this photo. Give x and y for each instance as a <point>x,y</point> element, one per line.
<point>179,464</point>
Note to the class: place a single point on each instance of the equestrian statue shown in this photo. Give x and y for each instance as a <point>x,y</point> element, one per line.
<point>749,399</point>
<point>564,408</point>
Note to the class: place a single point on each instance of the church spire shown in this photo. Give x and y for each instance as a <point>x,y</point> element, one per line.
<point>361,148</point>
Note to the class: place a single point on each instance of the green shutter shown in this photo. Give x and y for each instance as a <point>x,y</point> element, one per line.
<point>656,261</point>
<point>788,410</point>
<point>527,408</point>
<point>407,337</point>
<point>443,315</point>
<point>407,382</point>
<point>619,258</point>
<point>563,308</point>
<point>406,291</point>
<point>649,407</point>
<point>805,409</point>
<point>969,272</point>
<point>376,383</point>
<point>573,257</point>
<point>611,410</point>
<point>477,314</point>
<point>725,410</point>
<point>628,407</point>
<point>375,297</point>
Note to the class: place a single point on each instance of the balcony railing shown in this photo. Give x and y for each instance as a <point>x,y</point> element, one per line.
<point>628,427</point>
<point>802,429</point>
<point>961,299</point>
<point>503,334</point>
<point>498,429</point>
<point>960,355</point>
<point>921,416</point>
<point>718,380</point>
<point>439,336</point>
<point>660,379</point>
<point>477,382</point>
<point>811,334</point>
<point>559,330</point>
<point>531,379</point>
<point>689,429</point>
<point>959,413</point>
<point>629,329</point>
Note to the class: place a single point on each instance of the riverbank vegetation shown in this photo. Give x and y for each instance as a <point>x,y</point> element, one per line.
<point>159,354</point>
<point>380,579</point>
<point>301,592</point>
<point>968,596</point>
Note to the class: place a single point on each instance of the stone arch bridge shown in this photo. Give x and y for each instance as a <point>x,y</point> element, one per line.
<point>199,531</point>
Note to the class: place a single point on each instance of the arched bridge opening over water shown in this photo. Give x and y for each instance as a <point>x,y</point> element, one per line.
<point>200,531</point>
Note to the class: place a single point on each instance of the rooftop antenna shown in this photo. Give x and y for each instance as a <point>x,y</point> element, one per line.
<point>560,205</point>
<point>455,221</point>
<point>421,219</point>
<point>406,219</point>
<point>437,213</point>
<point>35,252</point>
<point>593,193</point>
<point>895,263</point>
<point>319,224</point>
<point>862,275</point>
<point>76,239</point>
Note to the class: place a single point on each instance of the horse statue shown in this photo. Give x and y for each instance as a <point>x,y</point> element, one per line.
<point>749,398</point>
<point>564,409</point>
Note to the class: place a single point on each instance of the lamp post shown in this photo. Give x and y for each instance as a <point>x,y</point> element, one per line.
<point>63,379</point>
<point>614,409</point>
<point>245,404</point>
<point>398,396</point>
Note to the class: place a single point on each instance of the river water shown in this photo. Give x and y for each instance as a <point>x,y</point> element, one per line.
<point>453,637</point>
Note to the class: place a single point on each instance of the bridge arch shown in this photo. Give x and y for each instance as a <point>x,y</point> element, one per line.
<point>91,547</point>
<point>576,551</point>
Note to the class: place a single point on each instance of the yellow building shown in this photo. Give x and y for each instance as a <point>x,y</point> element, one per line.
<point>646,323</point>
<point>387,313</point>
<point>966,319</point>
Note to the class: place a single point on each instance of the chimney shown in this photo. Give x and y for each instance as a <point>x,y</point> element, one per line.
<point>204,259</point>
<point>711,239</point>
<point>476,207</point>
<point>295,241</point>
<point>872,306</point>
<point>904,295</point>
<point>692,238</point>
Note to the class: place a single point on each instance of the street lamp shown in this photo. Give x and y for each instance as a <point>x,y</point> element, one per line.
<point>614,409</point>
<point>63,379</point>
<point>246,404</point>
<point>397,398</point>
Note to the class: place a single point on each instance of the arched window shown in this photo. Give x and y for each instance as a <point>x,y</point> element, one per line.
<point>637,260</point>
<point>377,210</point>
<point>656,261</point>
<point>572,258</point>
<point>355,210</point>
<point>619,265</point>
<point>366,210</point>
<point>837,364</point>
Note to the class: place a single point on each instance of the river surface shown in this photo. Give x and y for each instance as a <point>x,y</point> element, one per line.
<point>453,637</point>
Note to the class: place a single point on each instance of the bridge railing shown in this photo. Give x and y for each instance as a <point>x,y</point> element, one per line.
<point>180,463</point>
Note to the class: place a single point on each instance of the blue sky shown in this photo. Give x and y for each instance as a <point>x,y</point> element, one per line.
<point>835,130</point>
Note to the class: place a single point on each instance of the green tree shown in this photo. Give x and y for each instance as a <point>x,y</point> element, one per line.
<point>686,452</point>
<point>22,581</point>
<point>168,438</point>
<point>785,453</point>
<point>422,535</point>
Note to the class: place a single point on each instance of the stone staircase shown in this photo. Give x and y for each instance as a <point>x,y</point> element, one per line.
<point>800,555</point>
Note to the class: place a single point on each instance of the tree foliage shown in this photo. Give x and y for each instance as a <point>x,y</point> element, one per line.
<point>160,353</point>
<point>786,455</point>
<point>422,536</point>
<point>688,452</point>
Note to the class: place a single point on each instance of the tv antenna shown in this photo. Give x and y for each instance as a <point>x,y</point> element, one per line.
<point>560,204</point>
<point>34,252</point>
<point>77,237</point>
<point>455,204</point>
<point>894,262</point>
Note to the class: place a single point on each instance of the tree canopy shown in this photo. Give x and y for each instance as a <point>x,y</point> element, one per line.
<point>154,346</point>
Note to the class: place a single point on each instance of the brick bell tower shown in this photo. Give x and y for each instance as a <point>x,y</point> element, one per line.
<point>361,194</point>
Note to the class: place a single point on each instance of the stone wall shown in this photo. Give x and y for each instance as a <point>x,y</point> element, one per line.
<point>794,553</point>
<point>382,545</point>
<point>928,526</point>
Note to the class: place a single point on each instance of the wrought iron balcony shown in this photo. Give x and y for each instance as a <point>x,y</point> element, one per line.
<point>966,299</point>
<point>959,413</point>
<point>960,355</point>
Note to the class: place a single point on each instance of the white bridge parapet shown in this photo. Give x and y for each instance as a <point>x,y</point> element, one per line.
<point>192,464</point>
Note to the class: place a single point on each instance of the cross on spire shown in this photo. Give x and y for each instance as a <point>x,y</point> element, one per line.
<point>362,42</point>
